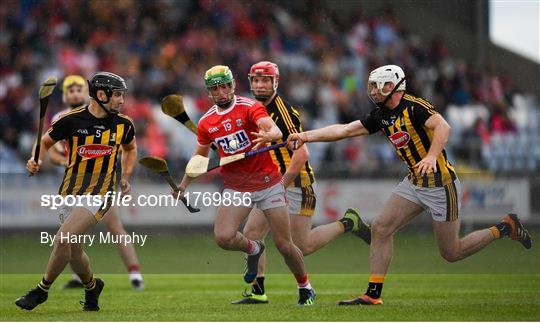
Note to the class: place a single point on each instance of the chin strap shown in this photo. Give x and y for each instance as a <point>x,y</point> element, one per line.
<point>382,104</point>
<point>101,104</point>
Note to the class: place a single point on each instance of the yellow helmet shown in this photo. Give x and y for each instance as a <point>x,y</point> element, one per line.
<point>72,80</point>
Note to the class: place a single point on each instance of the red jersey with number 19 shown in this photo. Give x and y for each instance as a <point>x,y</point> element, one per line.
<point>231,130</point>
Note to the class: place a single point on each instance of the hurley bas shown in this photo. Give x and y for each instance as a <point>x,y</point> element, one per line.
<point>89,239</point>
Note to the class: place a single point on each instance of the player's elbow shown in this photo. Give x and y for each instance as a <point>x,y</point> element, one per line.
<point>346,132</point>
<point>131,147</point>
<point>445,130</point>
<point>352,129</point>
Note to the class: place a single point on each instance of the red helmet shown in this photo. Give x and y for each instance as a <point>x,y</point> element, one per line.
<point>265,68</point>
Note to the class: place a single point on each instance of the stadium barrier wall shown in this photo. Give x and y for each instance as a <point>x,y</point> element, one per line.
<point>482,202</point>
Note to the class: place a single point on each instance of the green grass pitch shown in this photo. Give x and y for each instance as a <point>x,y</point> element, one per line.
<point>188,278</point>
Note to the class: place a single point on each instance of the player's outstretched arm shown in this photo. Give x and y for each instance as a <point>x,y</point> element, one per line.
<point>331,133</point>
<point>46,143</point>
<point>129,156</point>
<point>268,132</point>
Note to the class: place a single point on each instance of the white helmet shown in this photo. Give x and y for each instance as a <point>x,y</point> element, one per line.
<point>387,73</point>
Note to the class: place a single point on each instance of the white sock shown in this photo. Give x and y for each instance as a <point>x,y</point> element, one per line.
<point>256,249</point>
<point>307,286</point>
<point>135,276</point>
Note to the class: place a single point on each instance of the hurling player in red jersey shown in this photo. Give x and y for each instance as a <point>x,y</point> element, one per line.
<point>237,124</point>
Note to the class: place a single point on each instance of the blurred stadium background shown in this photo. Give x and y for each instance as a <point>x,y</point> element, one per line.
<point>324,50</point>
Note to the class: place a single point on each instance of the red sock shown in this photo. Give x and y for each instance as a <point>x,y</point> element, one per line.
<point>252,247</point>
<point>134,268</point>
<point>302,280</point>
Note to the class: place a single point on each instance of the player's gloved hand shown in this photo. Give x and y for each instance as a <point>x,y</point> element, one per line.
<point>296,140</point>
<point>125,187</point>
<point>263,138</point>
<point>32,166</point>
<point>427,165</point>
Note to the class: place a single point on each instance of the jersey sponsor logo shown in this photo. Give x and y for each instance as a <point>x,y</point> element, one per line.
<point>94,150</point>
<point>400,139</point>
<point>240,137</point>
<point>82,131</point>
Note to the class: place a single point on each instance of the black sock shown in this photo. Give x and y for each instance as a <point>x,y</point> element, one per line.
<point>374,290</point>
<point>44,285</point>
<point>258,286</point>
<point>90,285</point>
<point>504,228</point>
<point>347,224</point>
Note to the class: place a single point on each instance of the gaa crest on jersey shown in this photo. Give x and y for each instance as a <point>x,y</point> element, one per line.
<point>239,122</point>
<point>400,139</point>
<point>240,138</point>
<point>94,150</point>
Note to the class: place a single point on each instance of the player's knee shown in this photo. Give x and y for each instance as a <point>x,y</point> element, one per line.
<point>450,255</point>
<point>285,247</point>
<point>379,229</point>
<point>224,241</point>
<point>305,248</point>
<point>60,241</point>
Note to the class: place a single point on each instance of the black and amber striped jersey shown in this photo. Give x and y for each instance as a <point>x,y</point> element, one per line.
<point>405,127</point>
<point>92,145</point>
<point>288,121</point>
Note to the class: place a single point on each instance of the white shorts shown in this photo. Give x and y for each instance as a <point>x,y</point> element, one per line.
<point>268,198</point>
<point>302,200</point>
<point>443,203</point>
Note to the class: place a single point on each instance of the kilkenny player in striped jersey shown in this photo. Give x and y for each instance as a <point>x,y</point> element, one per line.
<point>298,178</point>
<point>94,133</point>
<point>74,95</point>
<point>419,135</point>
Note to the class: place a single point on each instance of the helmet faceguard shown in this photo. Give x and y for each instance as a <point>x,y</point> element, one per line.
<point>379,77</point>
<point>216,76</point>
<point>267,69</point>
<point>108,82</point>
